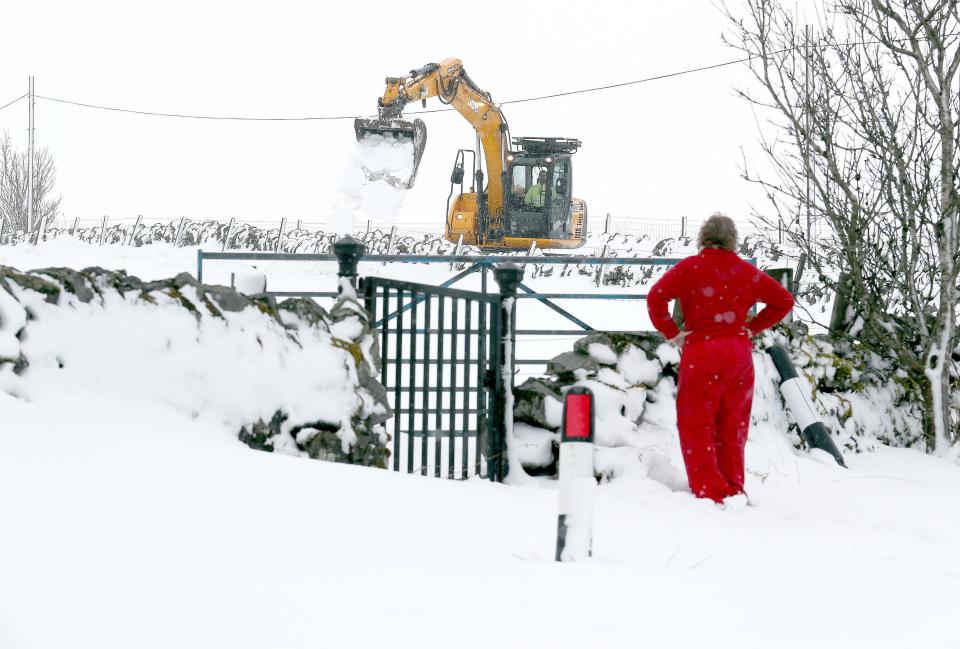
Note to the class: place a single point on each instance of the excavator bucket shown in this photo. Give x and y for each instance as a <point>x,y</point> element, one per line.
<point>389,142</point>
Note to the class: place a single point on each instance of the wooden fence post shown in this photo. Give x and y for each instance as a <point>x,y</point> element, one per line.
<point>393,236</point>
<point>601,269</point>
<point>456,249</point>
<point>227,237</point>
<point>41,228</point>
<point>283,224</point>
<point>133,232</point>
<point>176,241</point>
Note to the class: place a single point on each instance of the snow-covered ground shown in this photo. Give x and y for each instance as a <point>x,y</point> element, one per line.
<point>127,524</point>
<point>132,521</point>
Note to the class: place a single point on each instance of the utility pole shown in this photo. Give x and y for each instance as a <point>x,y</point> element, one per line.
<point>30,95</point>
<point>807,125</point>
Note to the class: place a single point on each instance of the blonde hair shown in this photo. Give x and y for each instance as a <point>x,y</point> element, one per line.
<point>718,231</point>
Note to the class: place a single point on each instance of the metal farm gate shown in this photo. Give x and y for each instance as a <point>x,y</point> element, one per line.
<point>447,363</point>
<point>448,355</point>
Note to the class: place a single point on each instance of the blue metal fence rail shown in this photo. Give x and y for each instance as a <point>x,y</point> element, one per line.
<point>439,259</point>
<point>480,263</point>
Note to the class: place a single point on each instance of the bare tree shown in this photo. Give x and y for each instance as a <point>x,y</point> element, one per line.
<point>13,187</point>
<point>866,143</point>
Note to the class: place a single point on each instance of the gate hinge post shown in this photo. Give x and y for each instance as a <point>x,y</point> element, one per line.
<point>508,278</point>
<point>348,251</point>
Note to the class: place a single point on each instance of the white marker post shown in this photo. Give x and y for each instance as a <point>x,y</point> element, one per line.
<point>577,479</point>
<point>796,392</point>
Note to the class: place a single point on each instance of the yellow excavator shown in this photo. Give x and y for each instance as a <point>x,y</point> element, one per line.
<point>527,197</point>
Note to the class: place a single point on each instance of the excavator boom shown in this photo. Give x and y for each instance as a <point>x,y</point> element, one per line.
<point>449,82</point>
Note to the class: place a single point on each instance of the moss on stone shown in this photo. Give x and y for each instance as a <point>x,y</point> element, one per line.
<point>266,305</point>
<point>184,302</point>
<point>351,347</point>
<point>50,290</point>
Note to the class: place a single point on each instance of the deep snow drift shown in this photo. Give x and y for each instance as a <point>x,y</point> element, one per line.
<point>128,524</point>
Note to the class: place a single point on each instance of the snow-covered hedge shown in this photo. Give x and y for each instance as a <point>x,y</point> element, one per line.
<point>286,377</point>
<point>861,400</point>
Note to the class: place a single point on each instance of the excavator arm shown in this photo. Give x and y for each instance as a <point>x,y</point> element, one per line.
<point>448,82</point>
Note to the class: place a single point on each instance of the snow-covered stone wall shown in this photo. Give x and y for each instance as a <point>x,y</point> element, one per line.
<point>860,399</point>
<point>286,377</point>
<point>244,236</point>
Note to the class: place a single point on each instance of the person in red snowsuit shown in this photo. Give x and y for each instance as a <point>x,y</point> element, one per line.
<point>716,289</point>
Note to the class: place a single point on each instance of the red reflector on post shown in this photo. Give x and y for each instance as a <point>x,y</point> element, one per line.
<point>578,415</point>
<point>577,477</point>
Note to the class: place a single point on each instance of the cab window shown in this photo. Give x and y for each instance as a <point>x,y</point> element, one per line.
<point>560,182</point>
<point>529,185</point>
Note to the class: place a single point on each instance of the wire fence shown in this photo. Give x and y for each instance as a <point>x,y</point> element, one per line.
<point>231,234</point>
<point>655,229</point>
<point>422,227</point>
<point>652,228</point>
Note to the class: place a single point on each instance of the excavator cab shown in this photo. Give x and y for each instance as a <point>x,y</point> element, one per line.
<point>538,206</point>
<point>539,198</point>
<point>538,185</point>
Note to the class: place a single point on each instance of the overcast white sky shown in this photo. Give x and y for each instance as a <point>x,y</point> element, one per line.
<point>660,150</point>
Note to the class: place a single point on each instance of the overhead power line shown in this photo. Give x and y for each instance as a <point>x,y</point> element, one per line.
<point>11,103</point>
<point>186,116</point>
<point>417,112</point>
<point>629,83</point>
